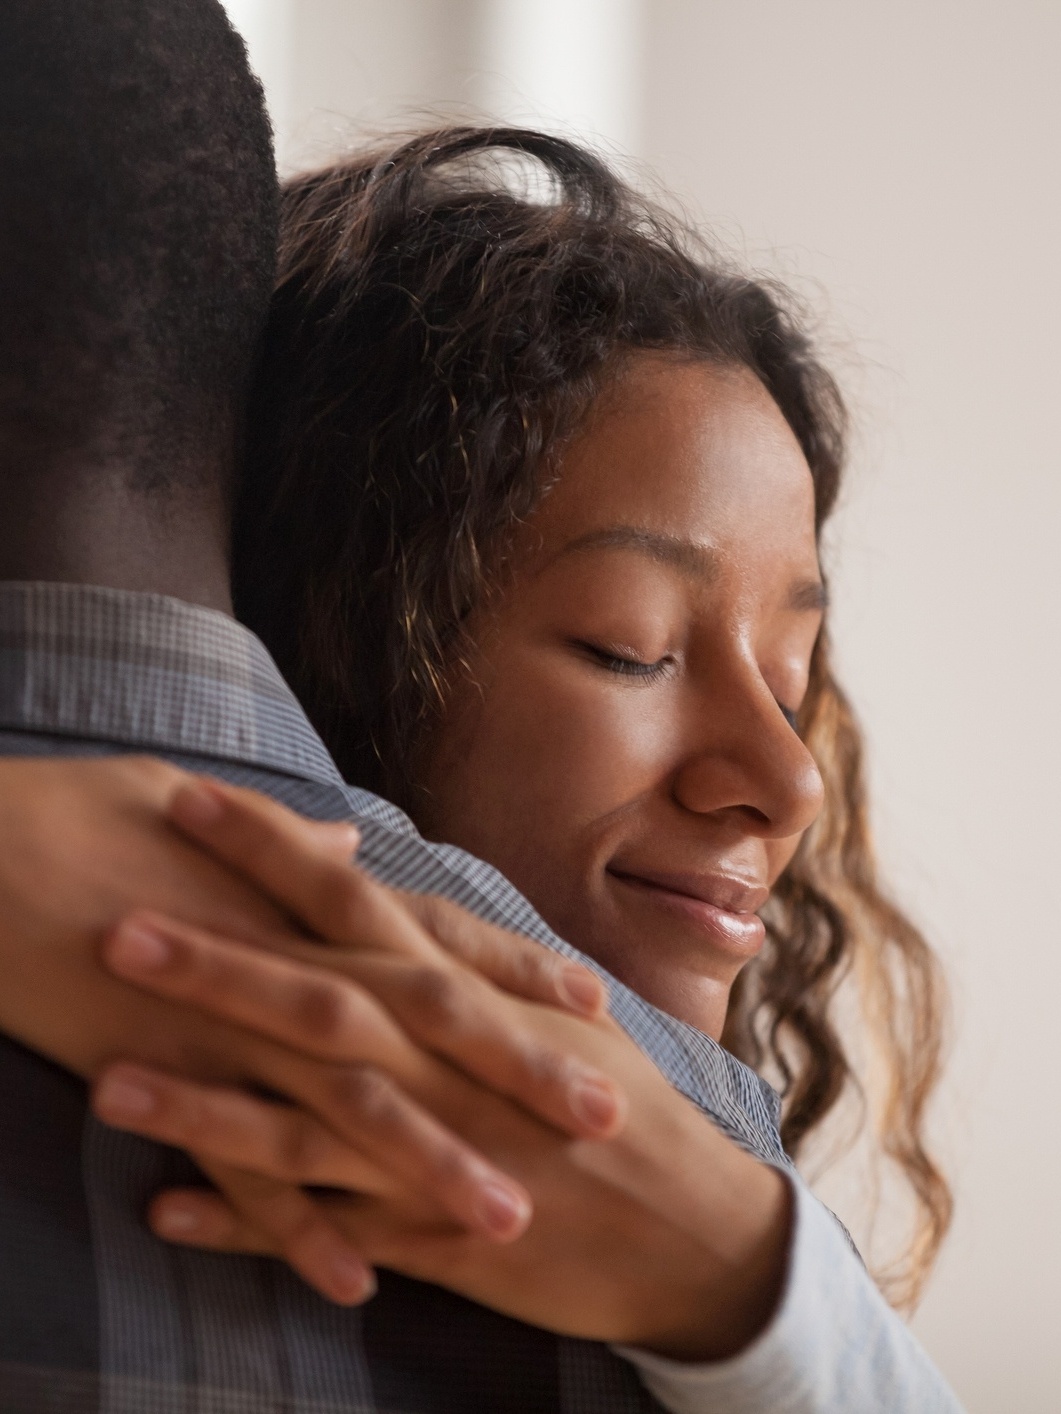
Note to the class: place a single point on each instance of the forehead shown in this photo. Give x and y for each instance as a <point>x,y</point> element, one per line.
<point>689,451</point>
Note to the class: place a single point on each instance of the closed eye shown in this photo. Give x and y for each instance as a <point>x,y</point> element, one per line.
<point>625,666</point>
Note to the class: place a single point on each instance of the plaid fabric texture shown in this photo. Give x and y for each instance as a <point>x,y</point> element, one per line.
<point>96,1314</point>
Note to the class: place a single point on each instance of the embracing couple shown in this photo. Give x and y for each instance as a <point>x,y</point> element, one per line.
<point>522,497</point>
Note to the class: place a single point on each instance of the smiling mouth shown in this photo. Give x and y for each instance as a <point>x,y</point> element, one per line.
<point>722,909</point>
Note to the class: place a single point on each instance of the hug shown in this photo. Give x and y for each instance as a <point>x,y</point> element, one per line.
<point>463,524</point>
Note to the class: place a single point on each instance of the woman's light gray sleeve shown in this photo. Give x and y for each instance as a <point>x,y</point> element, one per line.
<point>833,1346</point>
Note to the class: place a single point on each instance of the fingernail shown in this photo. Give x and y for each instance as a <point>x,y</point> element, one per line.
<point>595,1103</point>
<point>197,805</point>
<point>135,947</point>
<point>175,1219</point>
<point>580,989</point>
<point>504,1211</point>
<point>352,1280</point>
<point>121,1097</point>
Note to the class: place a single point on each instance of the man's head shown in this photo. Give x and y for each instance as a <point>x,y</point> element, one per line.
<point>137,236</point>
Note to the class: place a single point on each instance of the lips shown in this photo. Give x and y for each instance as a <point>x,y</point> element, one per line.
<point>722,906</point>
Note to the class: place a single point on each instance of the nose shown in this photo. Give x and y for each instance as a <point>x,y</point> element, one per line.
<point>742,756</point>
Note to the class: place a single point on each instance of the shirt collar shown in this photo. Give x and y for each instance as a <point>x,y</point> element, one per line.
<point>149,672</point>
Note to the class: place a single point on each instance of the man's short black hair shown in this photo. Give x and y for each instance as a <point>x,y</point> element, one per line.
<point>137,235</point>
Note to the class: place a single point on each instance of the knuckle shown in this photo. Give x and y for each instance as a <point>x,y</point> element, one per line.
<point>369,1096</point>
<point>438,917</point>
<point>323,1011</point>
<point>542,1065</point>
<point>437,1000</point>
<point>199,962</point>
<point>532,972</point>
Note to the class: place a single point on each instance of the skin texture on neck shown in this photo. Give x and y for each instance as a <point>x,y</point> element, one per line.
<point>94,525</point>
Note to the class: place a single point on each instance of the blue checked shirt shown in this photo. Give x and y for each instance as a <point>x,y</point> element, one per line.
<point>98,1315</point>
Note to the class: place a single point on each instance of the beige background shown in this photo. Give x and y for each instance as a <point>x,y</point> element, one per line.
<point>898,162</point>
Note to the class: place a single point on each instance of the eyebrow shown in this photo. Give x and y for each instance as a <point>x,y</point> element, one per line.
<point>690,559</point>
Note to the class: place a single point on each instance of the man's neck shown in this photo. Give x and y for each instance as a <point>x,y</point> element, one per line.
<point>94,529</point>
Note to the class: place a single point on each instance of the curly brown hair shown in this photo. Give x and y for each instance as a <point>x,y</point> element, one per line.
<point>438,333</point>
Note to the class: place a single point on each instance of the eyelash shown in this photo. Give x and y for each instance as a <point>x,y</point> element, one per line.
<point>634,668</point>
<point>625,667</point>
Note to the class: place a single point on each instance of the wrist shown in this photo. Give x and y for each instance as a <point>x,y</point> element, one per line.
<point>739,1263</point>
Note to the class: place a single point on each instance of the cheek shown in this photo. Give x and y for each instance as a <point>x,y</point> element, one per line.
<point>589,746</point>
<point>547,755</point>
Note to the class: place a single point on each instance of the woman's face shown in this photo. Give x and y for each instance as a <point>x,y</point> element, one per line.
<point>618,743</point>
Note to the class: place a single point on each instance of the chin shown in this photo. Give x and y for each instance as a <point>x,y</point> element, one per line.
<point>668,966</point>
<point>693,997</point>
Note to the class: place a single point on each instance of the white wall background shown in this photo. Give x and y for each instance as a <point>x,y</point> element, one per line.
<point>899,163</point>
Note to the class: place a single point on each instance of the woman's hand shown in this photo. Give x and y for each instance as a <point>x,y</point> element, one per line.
<point>342,1046</point>
<point>665,1235</point>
